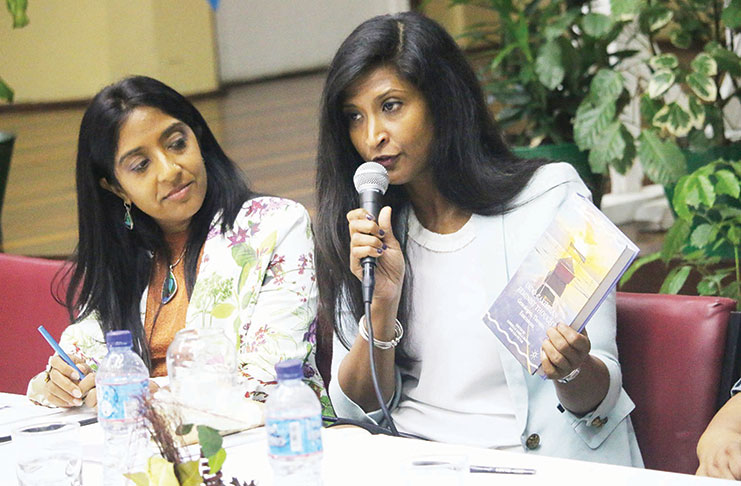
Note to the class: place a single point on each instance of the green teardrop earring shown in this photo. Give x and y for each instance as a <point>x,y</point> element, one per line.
<point>128,221</point>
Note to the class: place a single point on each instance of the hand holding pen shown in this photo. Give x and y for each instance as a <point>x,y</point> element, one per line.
<point>68,382</point>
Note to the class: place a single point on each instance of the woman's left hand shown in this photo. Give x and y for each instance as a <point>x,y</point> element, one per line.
<point>564,351</point>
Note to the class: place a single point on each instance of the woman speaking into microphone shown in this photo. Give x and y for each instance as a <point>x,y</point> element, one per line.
<point>460,214</point>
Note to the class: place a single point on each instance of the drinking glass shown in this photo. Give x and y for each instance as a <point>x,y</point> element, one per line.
<point>48,454</point>
<point>201,365</point>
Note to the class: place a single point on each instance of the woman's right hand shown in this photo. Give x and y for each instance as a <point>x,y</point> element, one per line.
<point>377,240</point>
<point>64,387</point>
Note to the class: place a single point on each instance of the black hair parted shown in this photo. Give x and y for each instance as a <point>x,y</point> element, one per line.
<point>472,166</point>
<point>112,264</point>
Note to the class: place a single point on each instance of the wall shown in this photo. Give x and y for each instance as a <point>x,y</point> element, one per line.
<point>70,50</point>
<point>259,38</point>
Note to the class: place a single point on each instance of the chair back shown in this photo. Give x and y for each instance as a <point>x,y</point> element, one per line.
<point>672,350</point>
<point>26,302</point>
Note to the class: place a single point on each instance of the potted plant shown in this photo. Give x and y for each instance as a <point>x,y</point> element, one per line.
<point>684,86</point>
<point>541,59</point>
<point>17,9</point>
<point>708,220</point>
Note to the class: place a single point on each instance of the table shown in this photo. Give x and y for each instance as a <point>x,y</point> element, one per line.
<point>352,456</point>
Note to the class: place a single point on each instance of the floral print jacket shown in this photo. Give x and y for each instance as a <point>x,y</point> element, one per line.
<point>257,283</point>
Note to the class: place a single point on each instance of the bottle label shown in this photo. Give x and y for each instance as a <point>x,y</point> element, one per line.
<point>294,437</point>
<point>121,402</point>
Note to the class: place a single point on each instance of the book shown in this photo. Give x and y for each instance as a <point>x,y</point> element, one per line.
<point>563,279</point>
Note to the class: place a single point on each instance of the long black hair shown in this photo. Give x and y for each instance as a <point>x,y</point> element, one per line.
<point>113,264</point>
<point>471,164</point>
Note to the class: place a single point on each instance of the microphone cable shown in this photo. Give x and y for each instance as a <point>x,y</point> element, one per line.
<point>374,375</point>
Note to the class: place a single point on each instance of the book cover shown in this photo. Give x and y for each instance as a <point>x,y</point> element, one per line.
<point>564,278</point>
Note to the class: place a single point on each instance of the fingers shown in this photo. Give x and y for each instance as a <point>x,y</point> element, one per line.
<point>64,387</point>
<point>60,391</point>
<point>87,383</point>
<point>60,365</point>
<point>368,238</point>
<point>91,400</point>
<point>563,351</point>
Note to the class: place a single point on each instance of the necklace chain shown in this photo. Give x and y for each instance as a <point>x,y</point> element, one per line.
<point>182,254</point>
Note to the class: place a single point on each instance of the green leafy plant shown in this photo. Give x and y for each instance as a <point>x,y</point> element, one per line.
<point>709,218</point>
<point>541,59</point>
<point>172,467</point>
<point>17,9</point>
<point>678,87</point>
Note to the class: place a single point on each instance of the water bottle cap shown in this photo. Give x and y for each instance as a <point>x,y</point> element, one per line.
<point>118,338</point>
<point>289,369</point>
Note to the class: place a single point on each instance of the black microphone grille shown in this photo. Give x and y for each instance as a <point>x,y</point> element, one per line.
<point>371,176</point>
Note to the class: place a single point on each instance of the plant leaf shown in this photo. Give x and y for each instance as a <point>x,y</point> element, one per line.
<point>680,38</point>
<point>209,439</point>
<point>660,81</point>
<point>243,254</point>
<point>216,461</point>
<point>681,197</point>
<point>184,429</point>
<point>727,60</point>
<point>697,113</point>
<point>654,18</point>
<point>605,86</point>
<point>731,16</point>
<point>706,190</point>
<point>161,472</point>
<point>703,86</point>
<point>139,478</point>
<point>675,280</point>
<point>734,235</point>
<point>6,93</point>
<point>637,264</point>
<point>664,61</point>
<point>673,119</point>
<point>17,9</point>
<point>727,183</point>
<point>597,25</point>
<point>189,473</point>
<point>625,10</point>
<point>703,63</point>
<point>701,235</point>
<point>649,107</point>
<point>610,146</point>
<point>549,65</point>
<point>675,239</point>
<point>590,120</point>
<point>558,27</point>
<point>662,161</point>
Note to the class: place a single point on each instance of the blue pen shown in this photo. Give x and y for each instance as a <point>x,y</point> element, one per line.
<point>53,343</point>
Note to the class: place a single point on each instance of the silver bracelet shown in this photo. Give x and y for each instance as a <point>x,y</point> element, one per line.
<point>398,334</point>
<point>574,373</point>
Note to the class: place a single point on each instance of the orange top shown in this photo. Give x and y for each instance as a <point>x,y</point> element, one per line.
<point>170,318</point>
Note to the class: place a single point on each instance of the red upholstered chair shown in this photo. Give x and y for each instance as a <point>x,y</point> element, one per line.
<point>26,302</point>
<point>678,356</point>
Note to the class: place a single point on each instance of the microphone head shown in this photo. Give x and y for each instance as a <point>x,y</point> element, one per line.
<point>371,176</point>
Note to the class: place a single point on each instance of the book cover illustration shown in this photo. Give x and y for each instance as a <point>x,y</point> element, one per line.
<point>564,278</point>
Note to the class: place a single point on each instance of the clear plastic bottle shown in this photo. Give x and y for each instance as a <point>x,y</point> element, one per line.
<point>293,419</point>
<point>122,381</point>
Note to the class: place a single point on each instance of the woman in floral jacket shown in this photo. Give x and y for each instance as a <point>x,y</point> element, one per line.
<point>171,237</point>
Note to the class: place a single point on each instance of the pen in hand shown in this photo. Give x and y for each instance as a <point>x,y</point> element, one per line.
<point>56,347</point>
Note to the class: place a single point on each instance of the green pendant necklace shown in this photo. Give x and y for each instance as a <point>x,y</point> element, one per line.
<point>170,285</point>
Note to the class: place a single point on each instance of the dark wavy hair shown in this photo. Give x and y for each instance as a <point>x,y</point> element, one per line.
<point>471,164</point>
<point>112,265</point>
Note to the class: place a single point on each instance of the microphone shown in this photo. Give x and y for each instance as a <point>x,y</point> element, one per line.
<point>371,181</point>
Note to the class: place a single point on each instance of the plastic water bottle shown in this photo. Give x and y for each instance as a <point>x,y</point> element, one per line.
<point>122,381</point>
<point>293,419</point>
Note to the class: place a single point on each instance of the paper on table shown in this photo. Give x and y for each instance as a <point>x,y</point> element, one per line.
<point>15,410</point>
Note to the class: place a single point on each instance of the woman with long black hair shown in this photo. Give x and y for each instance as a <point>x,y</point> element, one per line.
<point>170,236</point>
<point>461,213</point>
